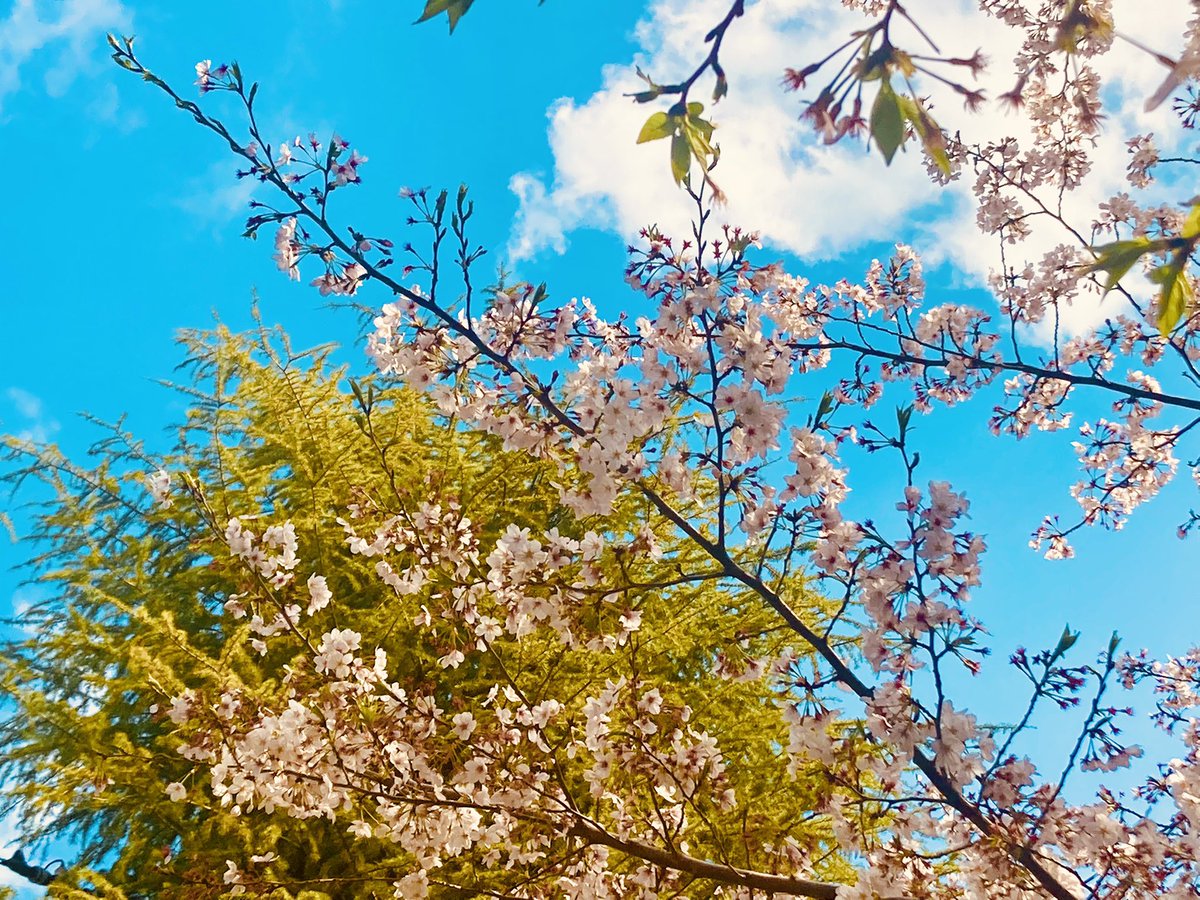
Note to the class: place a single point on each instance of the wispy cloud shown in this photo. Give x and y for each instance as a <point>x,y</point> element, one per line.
<point>66,38</point>
<point>28,421</point>
<point>106,109</point>
<point>816,201</point>
<point>216,197</point>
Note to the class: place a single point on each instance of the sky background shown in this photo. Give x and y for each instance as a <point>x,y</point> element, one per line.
<point>122,223</point>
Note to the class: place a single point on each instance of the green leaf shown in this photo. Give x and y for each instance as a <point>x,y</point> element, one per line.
<point>912,112</point>
<point>658,126</point>
<point>1176,295</point>
<point>454,10</point>
<point>877,64</point>
<point>824,408</point>
<point>702,128</point>
<point>721,88</point>
<point>698,139</point>
<point>1066,642</point>
<point>933,141</point>
<point>887,122</point>
<point>1191,225</point>
<point>939,156</point>
<point>681,158</point>
<point>1118,258</point>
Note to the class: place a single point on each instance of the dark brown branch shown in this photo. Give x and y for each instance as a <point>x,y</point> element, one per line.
<point>681,862</point>
<point>34,874</point>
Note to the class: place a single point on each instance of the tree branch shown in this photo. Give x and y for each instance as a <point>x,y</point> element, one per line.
<point>35,874</point>
<point>782,884</point>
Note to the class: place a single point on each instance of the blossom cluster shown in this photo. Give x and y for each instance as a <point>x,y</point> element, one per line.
<point>485,779</point>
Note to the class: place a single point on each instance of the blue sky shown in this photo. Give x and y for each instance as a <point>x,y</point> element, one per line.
<point>123,219</point>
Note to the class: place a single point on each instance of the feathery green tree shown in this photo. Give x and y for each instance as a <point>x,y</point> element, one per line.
<point>141,602</point>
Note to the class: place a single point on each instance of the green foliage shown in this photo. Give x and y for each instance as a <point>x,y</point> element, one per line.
<point>690,134</point>
<point>1175,292</point>
<point>133,616</point>
<point>1175,295</point>
<point>453,9</point>
<point>1117,258</point>
<point>887,121</point>
<point>134,612</point>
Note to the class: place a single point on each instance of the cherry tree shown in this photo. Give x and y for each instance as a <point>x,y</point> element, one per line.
<point>690,405</point>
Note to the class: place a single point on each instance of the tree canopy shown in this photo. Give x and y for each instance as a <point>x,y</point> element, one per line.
<point>146,605</point>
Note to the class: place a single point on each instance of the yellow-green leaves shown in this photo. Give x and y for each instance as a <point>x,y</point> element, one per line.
<point>892,113</point>
<point>454,10</point>
<point>659,125</point>
<point>887,121</point>
<point>1117,258</point>
<point>1175,295</point>
<point>1191,225</point>
<point>690,134</point>
<point>681,158</point>
<point>929,132</point>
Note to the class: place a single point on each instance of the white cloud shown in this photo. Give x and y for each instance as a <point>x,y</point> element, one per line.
<point>813,200</point>
<point>32,423</point>
<point>106,108</point>
<point>778,179</point>
<point>217,197</point>
<point>23,599</point>
<point>69,31</point>
<point>26,403</point>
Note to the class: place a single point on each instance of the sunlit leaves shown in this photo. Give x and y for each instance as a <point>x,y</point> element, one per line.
<point>892,114</point>
<point>1175,295</point>
<point>690,134</point>
<point>929,132</point>
<point>1117,258</point>
<point>681,158</point>
<point>658,126</point>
